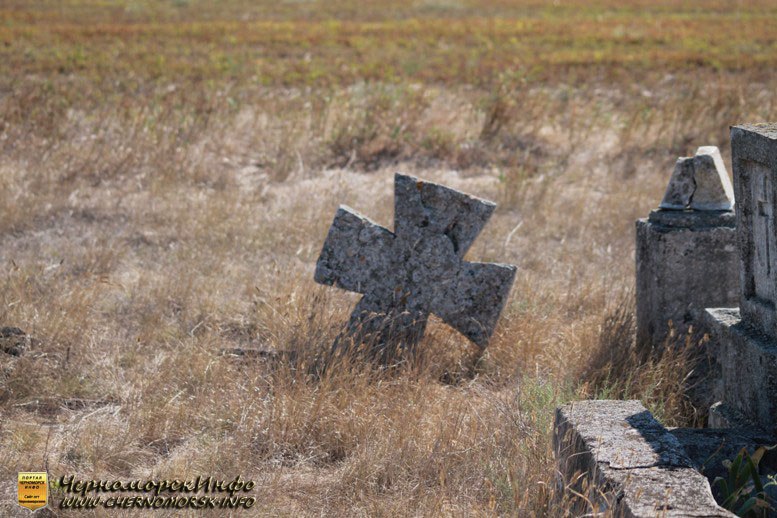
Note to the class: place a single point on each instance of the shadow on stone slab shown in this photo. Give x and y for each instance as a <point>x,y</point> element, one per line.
<point>709,447</point>
<point>621,459</point>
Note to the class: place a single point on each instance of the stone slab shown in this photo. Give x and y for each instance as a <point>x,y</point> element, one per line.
<point>625,461</point>
<point>677,254</point>
<point>754,161</point>
<point>747,363</point>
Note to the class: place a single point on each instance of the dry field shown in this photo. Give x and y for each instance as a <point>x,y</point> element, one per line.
<point>168,172</point>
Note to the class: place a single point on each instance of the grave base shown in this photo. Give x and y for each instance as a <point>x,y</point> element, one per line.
<point>747,366</point>
<point>686,261</point>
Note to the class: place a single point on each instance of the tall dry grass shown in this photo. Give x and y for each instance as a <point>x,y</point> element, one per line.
<point>151,219</point>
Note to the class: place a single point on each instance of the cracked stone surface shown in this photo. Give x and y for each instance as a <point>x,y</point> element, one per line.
<point>624,435</point>
<point>700,182</point>
<point>681,186</point>
<point>630,463</point>
<point>418,269</point>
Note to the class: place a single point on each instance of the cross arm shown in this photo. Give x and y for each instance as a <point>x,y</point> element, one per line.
<point>356,252</point>
<point>424,208</point>
<point>475,298</point>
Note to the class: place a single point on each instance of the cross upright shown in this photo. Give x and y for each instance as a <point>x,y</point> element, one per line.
<point>418,269</point>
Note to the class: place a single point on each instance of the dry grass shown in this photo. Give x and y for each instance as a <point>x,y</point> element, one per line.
<point>168,172</point>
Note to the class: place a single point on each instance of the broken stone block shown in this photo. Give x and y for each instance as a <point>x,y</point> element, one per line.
<point>700,182</point>
<point>713,186</point>
<point>681,186</point>
<point>622,460</point>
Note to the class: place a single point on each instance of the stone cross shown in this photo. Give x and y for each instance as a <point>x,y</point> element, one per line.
<point>418,269</point>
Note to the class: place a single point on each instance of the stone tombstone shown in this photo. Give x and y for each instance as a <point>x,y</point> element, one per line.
<point>686,256</point>
<point>744,339</point>
<point>754,155</point>
<point>417,269</point>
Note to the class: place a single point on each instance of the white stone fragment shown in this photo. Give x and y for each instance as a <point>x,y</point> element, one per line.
<point>713,185</point>
<point>700,182</point>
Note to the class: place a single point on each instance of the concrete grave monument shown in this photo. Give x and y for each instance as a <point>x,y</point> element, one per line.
<point>628,462</point>
<point>744,339</point>
<point>684,244</point>
<point>417,269</point>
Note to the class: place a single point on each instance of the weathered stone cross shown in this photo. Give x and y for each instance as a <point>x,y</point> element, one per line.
<point>418,269</point>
